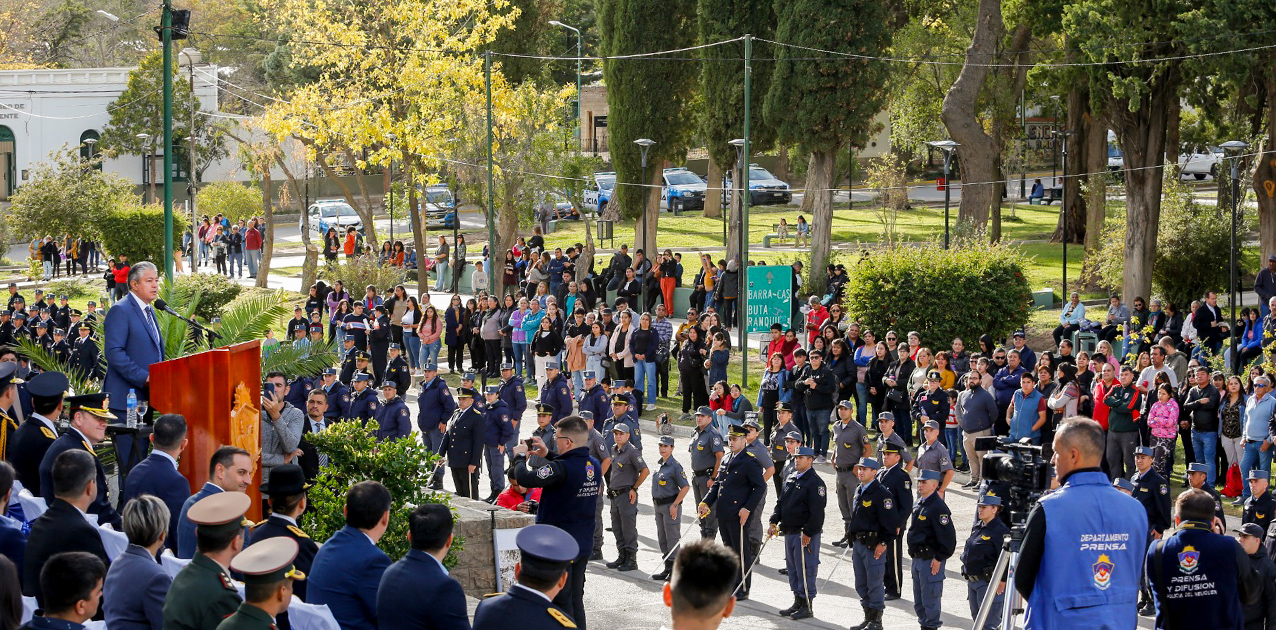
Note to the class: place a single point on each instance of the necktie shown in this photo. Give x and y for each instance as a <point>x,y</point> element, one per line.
<point>323,457</point>
<point>150,319</point>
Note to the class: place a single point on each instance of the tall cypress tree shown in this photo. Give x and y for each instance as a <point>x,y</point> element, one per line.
<point>822,104</point>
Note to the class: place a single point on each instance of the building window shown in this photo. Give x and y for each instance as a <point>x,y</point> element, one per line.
<point>89,148</point>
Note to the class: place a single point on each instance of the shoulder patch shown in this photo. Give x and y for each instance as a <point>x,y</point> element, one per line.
<point>544,472</point>
<point>47,433</point>
<point>296,531</point>
<point>403,412</point>
<point>561,618</point>
<point>372,405</point>
<point>1165,489</point>
<point>887,503</point>
<point>943,519</point>
<point>750,454</point>
<point>345,398</point>
<point>820,490</point>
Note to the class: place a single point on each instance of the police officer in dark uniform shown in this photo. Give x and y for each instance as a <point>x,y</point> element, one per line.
<point>598,450</point>
<point>895,479</point>
<point>299,390</point>
<point>60,349</point>
<point>515,399</point>
<point>753,529</point>
<point>1152,491</point>
<point>628,472</point>
<point>497,431</point>
<point>394,421</point>
<point>558,393</point>
<point>89,417</point>
<point>8,426</point>
<point>932,538</point>
<point>398,370</point>
<point>874,524</point>
<point>979,558</point>
<point>1260,504</point>
<point>363,401</point>
<point>706,456</point>
<point>738,490</point>
<point>37,433</point>
<point>286,490</point>
<point>1196,477</point>
<point>338,397</point>
<point>271,579</point>
<point>349,361</point>
<point>85,354</point>
<point>595,398</point>
<point>571,482</point>
<point>850,444</point>
<point>779,452</point>
<point>545,426</point>
<point>463,444</point>
<point>545,553</point>
<point>467,381</point>
<point>6,327</point>
<point>434,407</point>
<point>799,516</point>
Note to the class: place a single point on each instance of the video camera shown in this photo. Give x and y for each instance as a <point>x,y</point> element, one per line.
<point>1018,466</point>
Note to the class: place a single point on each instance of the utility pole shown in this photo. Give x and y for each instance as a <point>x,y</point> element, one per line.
<point>192,183</point>
<point>166,37</point>
<point>745,197</point>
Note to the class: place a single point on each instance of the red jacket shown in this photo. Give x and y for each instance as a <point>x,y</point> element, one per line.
<point>252,238</point>
<point>511,500</point>
<point>814,320</point>
<point>121,274</point>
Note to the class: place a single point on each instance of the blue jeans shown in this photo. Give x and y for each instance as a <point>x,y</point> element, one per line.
<point>441,271</point>
<point>236,260</point>
<point>430,351</point>
<point>1252,459</point>
<point>646,370</point>
<point>578,379</point>
<point>413,344</point>
<point>953,437</point>
<point>521,356</point>
<point>1204,444</point>
<point>861,403</point>
<point>819,419</point>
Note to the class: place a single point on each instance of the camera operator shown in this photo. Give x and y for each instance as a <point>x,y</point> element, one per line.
<point>1200,579</point>
<point>1083,546</point>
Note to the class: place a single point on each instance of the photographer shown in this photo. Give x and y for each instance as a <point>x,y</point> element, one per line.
<point>1079,564</point>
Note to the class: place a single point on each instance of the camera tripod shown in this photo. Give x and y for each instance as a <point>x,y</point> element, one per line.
<point>1007,564</point>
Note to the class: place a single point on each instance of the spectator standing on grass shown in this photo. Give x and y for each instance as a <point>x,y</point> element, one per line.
<point>253,242</point>
<point>1256,430</point>
<point>235,250</point>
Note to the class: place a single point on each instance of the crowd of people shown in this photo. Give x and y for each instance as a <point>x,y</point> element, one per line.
<point>227,245</point>
<point>68,252</point>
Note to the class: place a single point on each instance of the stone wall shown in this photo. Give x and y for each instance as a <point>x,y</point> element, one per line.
<point>476,570</point>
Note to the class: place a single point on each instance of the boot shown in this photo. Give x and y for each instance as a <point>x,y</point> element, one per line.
<point>664,575</point>
<point>615,564</point>
<point>797,604</point>
<point>630,561</point>
<point>876,622</point>
<point>804,611</point>
<point>868,620</point>
<point>842,542</point>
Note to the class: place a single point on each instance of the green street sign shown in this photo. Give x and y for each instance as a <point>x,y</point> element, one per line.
<point>770,297</point>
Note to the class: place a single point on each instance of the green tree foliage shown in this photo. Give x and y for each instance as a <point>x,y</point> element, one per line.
<point>1191,249</point>
<point>140,110</point>
<point>137,231</point>
<point>821,105</point>
<point>529,34</point>
<point>210,291</point>
<point>364,271</point>
<point>916,288</point>
<point>63,196</point>
<point>647,97</point>
<point>402,466</point>
<point>722,75</point>
<point>230,199</point>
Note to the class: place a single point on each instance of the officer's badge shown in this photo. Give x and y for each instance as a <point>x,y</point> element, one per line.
<point>699,447</point>
<point>1189,560</point>
<point>1103,572</point>
<point>943,519</point>
<point>589,471</point>
<point>345,398</point>
<point>1165,489</point>
<point>985,538</point>
<point>921,517</point>
<point>47,433</point>
<point>1143,489</point>
<point>403,412</point>
<point>887,503</point>
<point>663,482</point>
<point>226,583</point>
<point>544,472</point>
<point>867,503</point>
<point>561,618</point>
<point>820,490</point>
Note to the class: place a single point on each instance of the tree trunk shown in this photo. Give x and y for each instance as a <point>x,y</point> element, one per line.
<point>735,217</point>
<point>960,111</point>
<point>1074,162</point>
<point>1173,118</point>
<point>585,264</point>
<point>1096,163</point>
<point>310,266</point>
<point>782,163</point>
<point>819,184</point>
<point>267,238</point>
<point>1265,173</point>
<point>417,222</point>
<point>1142,135</point>
<point>808,193</point>
<point>646,238</point>
<point>713,196</point>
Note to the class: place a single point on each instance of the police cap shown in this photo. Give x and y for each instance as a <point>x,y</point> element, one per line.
<point>666,440</point>
<point>220,513</point>
<point>869,462</point>
<point>48,386</point>
<point>286,480</point>
<point>930,475</point>
<point>269,561</point>
<point>543,409</point>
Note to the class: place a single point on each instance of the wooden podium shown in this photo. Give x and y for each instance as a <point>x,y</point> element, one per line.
<point>218,392</point>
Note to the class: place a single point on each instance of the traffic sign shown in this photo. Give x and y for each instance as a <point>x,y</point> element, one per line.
<point>770,297</point>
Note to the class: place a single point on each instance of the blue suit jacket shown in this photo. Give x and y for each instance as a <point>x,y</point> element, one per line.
<point>136,584</point>
<point>345,576</point>
<point>157,476</point>
<point>417,594</point>
<point>185,528</point>
<point>521,606</point>
<point>130,348</point>
<point>13,541</point>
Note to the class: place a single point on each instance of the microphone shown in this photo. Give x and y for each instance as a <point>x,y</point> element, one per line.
<point>160,304</point>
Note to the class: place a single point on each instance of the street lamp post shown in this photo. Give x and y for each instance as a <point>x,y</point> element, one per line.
<point>392,139</point>
<point>1234,149</point>
<point>147,175</point>
<point>644,144</point>
<point>947,146</point>
<point>579,54</point>
<point>1063,203</point>
<point>1054,146</point>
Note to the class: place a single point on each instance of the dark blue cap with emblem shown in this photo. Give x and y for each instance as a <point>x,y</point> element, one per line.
<point>360,377</point>
<point>7,370</point>
<point>430,366</point>
<point>793,435</point>
<point>704,411</point>
<point>551,365</point>
<point>390,384</point>
<point>543,409</point>
<point>929,475</point>
<point>620,428</point>
<point>990,500</point>
<point>1123,483</point>
<point>1251,529</point>
<point>737,431</point>
<point>666,440</point>
<point>507,366</point>
<point>468,376</point>
<point>395,346</point>
<point>330,371</point>
<point>869,462</point>
<point>547,543</point>
<point>465,392</point>
<point>1258,474</point>
<point>1145,451</point>
<point>586,415</point>
<point>619,400</point>
<point>847,404</point>
<point>804,451</point>
<point>493,390</point>
<point>48,385</point>
<point>589,374</point>
<point>1198,468</point>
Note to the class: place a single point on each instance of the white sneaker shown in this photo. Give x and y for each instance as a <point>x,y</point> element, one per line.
<point>821,460</point>
<point>650,407</point>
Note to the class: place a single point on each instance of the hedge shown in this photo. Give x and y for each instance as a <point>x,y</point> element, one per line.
<point>137,231</point>
<point>215,290</point>
<point>965,292</point>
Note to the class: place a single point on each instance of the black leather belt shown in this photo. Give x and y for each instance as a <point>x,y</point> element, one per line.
<point>702,473</point>
<point>615,492</point>
<point>664,501</point>
<point>844,468</point>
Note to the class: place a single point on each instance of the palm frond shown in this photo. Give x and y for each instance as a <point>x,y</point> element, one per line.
<point>178,338</point>
<point>81,383</point>
<point>247,318</point>
<point>299,361</point>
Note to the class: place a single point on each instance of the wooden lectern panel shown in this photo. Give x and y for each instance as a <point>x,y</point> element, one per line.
<point>204,389</point>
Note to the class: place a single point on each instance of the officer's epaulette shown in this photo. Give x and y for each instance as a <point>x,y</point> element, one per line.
<point>490,595</point>
<point>47,433</point>
<point>561,618</point>
<point>260,523</point>
<point>750,454</point>
<point>296,531</point>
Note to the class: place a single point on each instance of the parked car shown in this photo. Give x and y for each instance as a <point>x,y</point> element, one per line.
<point>764,187</point>
<point>599,193</point>
<point>562,208</point>
<point>326,213</point>
<point>1201,162</point>
<point>683,190</point>
<point>440,207</point>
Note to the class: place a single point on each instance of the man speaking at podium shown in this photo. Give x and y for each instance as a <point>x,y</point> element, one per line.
<point>132,342</point>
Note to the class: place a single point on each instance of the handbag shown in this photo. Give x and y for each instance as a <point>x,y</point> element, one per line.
<point>895,396</point>
<point>1233,487</point>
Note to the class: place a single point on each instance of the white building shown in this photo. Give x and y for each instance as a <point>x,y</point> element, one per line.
<point>45,111</point>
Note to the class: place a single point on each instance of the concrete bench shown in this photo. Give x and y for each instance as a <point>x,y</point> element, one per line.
<point>766,240</point>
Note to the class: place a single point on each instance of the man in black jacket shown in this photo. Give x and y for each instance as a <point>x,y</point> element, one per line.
<point>819,392</point>
<point>1260,615</point>
<point>1208,321</point>
<point>1201,405</point>
<point>620,261</point>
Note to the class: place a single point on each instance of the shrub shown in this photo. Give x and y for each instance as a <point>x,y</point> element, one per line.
<point>361,272</point>
<point>962,292</point>
<point>1192,244</point>
<point>72,288</point>
<point>231,199</point>
<point>137,231</point>
<point>215,291</point>
<point>403,466</point>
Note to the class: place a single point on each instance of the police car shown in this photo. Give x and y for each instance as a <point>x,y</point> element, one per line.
<point>440,207</point>
<point>326,213</point>
<point>764,188</point>
<point>599,193</point>
<point>683,190</point>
